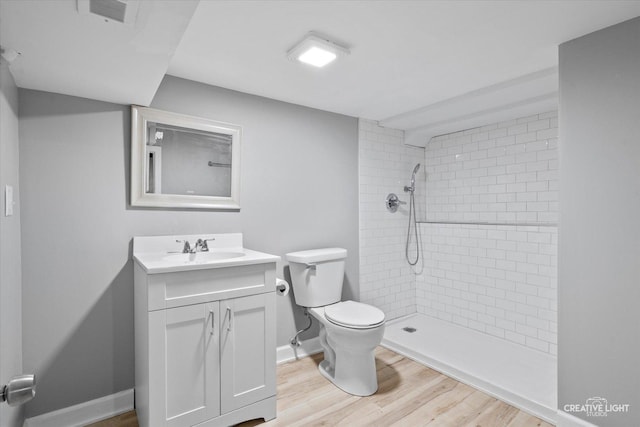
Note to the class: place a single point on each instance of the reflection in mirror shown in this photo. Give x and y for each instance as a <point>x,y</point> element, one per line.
<point>207,154</point>
<point>183,161</point>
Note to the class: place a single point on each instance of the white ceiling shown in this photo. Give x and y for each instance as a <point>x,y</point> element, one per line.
<point>414,65</point>
<point>65,52</point>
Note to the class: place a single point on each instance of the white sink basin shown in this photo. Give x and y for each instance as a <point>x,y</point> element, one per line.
<point>159,254</point>
<point>202,257</point>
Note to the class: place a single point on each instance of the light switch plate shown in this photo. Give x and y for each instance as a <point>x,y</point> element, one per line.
<point>8,200</point>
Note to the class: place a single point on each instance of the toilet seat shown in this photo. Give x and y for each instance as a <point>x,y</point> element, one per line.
<point>354,315</point>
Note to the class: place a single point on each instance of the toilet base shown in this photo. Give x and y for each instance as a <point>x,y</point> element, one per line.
<point>355,388</point>
<point>352,368</point>
<point>325,369</point>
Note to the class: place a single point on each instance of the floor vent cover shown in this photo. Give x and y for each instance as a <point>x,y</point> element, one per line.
<point>409,329</point>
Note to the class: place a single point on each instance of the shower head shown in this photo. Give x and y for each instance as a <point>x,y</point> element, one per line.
<point>416,169</point>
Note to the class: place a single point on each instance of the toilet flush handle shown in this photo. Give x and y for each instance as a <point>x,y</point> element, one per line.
<point>311,266</point>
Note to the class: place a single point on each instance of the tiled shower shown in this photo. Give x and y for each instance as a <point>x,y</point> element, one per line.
<point>487,207</point>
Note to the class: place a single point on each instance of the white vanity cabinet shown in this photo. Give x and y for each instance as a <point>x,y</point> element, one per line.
<point>205,344</point>
<point>247,351</point>
<point>184,365</point>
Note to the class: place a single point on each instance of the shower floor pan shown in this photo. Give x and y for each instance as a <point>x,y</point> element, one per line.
<point>520,376</point>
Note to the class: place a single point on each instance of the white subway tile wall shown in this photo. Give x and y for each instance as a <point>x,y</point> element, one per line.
<point>500,280</point>
<point>386,280</point>
<point>504,172</point>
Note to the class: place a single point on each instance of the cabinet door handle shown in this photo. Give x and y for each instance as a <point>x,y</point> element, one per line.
<point>212,322</point>
<point>230,314</point>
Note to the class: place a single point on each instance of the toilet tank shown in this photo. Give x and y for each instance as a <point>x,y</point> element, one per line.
<point>317,275</point>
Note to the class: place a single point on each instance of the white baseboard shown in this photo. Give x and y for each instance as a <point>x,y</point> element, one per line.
<point>567,420</point>
<point>288,352</point>
<point>86,412</point>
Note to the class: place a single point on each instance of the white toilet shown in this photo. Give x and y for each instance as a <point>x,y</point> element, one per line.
<point>349,331</point>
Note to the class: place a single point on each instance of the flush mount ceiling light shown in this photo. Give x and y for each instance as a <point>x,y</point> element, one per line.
<point>316,50</point>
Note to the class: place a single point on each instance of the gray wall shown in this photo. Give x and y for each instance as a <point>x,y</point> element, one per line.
<point>299,191</point>
<point>599,240</point>
<point>10,270</point>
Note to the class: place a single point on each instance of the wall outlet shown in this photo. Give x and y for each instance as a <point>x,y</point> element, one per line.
<point>8,200</point>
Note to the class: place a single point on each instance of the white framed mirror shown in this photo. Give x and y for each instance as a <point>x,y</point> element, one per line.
<point>180,161</point>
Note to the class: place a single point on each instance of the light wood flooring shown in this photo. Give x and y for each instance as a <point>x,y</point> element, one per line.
<point>409,394</point>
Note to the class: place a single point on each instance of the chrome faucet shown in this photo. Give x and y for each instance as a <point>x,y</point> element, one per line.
<point>203,244</point>
<point>186,249</point>
<point>200,246</point>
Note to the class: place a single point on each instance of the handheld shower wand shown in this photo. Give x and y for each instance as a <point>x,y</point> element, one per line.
<point>412,187</point>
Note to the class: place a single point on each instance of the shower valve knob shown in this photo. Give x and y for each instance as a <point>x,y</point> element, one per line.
<point>393,202</point>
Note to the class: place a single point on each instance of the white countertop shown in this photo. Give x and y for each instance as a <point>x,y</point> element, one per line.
<point>154,263</point>
<point>158,254</point>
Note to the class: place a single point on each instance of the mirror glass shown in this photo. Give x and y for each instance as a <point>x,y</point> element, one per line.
<point>183,161</point>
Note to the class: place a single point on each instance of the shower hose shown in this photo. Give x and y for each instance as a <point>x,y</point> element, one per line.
<point>412,214</point>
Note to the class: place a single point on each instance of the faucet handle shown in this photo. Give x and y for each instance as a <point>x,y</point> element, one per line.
<point>204,247</point>
<point>186,249</point>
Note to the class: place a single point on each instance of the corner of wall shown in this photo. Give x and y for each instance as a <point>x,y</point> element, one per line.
<point>10,244</point>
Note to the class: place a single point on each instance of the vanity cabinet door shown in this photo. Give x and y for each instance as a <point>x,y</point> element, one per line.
<point>184,364</point>
<point>247,350</point>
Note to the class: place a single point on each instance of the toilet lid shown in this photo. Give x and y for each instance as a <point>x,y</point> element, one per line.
<point>353,314</point>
